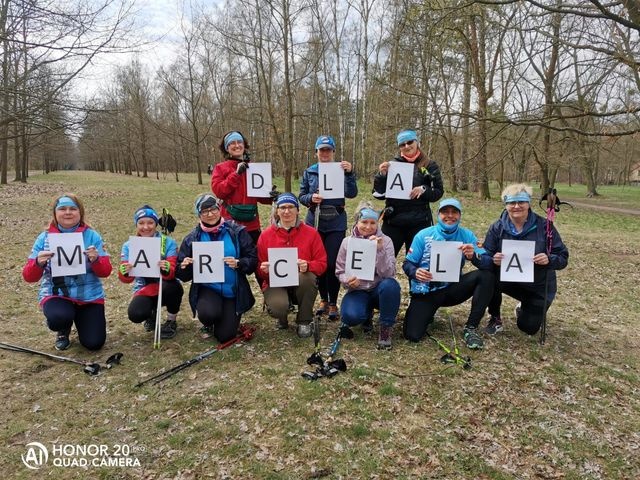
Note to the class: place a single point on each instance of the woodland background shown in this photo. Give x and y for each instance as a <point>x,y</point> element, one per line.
<point>499,90</point>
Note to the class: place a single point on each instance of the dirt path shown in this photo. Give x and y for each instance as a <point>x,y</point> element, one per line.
<point>606,208</point>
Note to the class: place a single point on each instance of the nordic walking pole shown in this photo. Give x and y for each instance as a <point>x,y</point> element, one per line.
<point>245,332</point>
<point>91,368</point>
<point>156,332</point>
<point>551,213</point>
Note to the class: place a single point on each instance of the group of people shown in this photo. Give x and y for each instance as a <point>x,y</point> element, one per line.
<point>229,215</point>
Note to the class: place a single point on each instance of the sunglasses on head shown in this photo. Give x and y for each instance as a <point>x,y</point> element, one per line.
<point>406,144</point>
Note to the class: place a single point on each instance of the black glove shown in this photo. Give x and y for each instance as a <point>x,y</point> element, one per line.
<point>242,167</point>
<point>273,194</point>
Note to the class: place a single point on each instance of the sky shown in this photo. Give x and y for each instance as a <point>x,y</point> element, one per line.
<point>156,32</point>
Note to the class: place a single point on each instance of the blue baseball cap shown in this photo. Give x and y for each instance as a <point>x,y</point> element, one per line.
<point>325,141</point>
<point>450,202</point>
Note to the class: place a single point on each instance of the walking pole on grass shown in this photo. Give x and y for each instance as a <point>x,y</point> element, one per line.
<point>156,332</point>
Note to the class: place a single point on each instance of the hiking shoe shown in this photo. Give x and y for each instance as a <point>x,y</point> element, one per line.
<point>333,315</point>
<point>472,338</point>
<point>206,332</point>
<point>168,329</point>
<point>62,341</point>
<point>367,326</point>
<point>346,332</point>
<point>323,308</point>
<point>518,310</point>
<point>305,330</point>
<point>495,326</point>
<point>384,337</point>
<point>149,324</point>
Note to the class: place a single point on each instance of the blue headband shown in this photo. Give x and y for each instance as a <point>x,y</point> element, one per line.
<point>232,137</point>
<point>65,202</point>
<point>518,197</point>
<point>368,214</point>
<point>145,212</point>
<point>407,136</point>
<point>287,198</point>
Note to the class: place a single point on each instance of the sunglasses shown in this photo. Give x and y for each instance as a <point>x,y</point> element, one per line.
<point>406,144</point>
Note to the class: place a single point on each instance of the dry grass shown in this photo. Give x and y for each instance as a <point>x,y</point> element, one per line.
<point>569,409</point>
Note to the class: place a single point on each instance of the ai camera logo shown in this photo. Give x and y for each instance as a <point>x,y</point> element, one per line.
<point>36,456</point>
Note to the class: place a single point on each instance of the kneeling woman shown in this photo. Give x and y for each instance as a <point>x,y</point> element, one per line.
<point>71,299</point>
<point>145,290</point>
<point>219,306</point>
<point>363,296</point>
<point>519,222</point>
<point>427,296</point>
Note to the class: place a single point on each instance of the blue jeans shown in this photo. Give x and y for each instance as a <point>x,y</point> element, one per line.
<point>357,305</point>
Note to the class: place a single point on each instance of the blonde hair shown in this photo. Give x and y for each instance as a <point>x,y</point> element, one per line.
<point>515,189</point>
<point>361,206</point>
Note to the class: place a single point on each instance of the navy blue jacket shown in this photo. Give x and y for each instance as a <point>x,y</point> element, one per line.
<point>310,184</point>
<point>534,230</point>
<point>248,261</point>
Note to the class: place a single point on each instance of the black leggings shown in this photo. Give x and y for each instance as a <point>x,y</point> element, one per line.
<point>328,283</point>
<point>477,285</point>
<point>219,312</point>
<point>532,310</point>
<point>143,307</point>
<point>401,235</point>
<point>89,319</point>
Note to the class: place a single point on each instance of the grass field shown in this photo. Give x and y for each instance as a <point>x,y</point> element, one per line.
<point>569,409</point>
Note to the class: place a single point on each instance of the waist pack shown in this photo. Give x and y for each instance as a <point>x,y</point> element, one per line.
<point>243,213</point>
<point>329,212</point>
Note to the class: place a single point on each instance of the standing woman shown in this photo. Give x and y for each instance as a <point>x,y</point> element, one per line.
<point>404,218</point>
<point>219,306</point>
<point>332,222</point>
<point>71,299</point>
<point>229,184</point>
<point>362,296</point>
<point>145,290</point>
<point>519,222</point>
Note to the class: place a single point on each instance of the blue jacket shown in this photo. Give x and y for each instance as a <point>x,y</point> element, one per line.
<point>248,261</point>
<point>85,288</point>
<point>310,184</point>
<point>419,255</point>
<point>535,230</point>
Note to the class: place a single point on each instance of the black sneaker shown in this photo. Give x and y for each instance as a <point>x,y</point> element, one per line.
<point>168,329</point>
<point>367,326</point>
<point>62,341</point>
<point>472,338</point>
<point>282,324</point>
<point>346,332</point>
<point>495,326</point>
<point>149,324</point>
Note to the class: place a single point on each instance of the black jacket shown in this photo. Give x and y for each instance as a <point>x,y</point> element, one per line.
<point>248,261</point>
<point>415,212</point>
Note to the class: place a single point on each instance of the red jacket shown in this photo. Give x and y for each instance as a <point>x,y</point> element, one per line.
<point>302,236</point>
<point>230,187</point>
